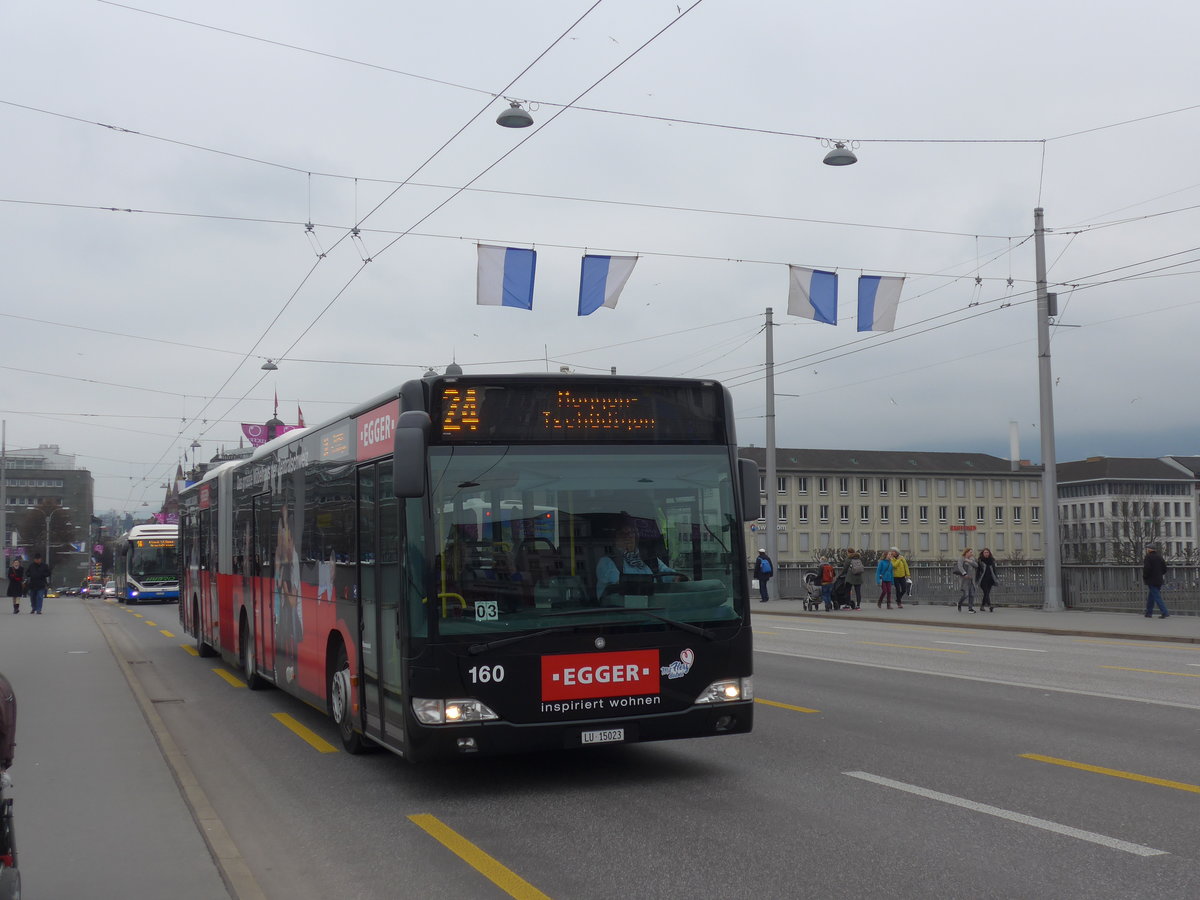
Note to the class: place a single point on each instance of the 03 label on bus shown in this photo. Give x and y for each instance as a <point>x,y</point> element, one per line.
<point>487,611</point>
<point>605,736</point>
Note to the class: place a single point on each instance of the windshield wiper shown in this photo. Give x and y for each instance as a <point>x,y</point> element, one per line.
<point>683,626</point>
<point>476,649</point>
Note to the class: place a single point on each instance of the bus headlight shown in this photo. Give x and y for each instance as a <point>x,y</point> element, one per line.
<point>728,690</point>
<point>450,712</point>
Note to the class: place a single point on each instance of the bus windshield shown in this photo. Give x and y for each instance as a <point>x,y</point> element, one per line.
<point>531,538</point>
<point>153,557</point>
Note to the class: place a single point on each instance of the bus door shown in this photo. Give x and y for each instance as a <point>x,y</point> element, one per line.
<point>379,570</point>
<point>262,593</point>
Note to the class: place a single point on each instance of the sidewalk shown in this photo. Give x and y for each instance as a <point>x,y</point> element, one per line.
<point>97,812</point>
<point>1183,629</point>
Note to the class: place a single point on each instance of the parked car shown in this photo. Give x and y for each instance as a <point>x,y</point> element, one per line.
<point>110,589</point>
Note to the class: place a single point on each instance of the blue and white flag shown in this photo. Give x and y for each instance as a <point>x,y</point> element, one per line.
<point>878,300</point>
<point>813,294</point>
<point>505,277</point>
<point>601,279</point>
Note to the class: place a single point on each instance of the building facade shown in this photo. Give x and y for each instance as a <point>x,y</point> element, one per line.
<point>1110,508</point>
<point>46,479</point>
<point>929,505</point>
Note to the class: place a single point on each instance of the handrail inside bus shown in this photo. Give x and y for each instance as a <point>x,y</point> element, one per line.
<point>462,602</point>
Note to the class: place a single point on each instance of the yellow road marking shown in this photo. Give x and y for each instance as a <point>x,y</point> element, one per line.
<point>151,624</point>
<point>1158,645</point>
<point>138,616</point>
<point>165,632</point>
<point>306,734</point>
<point>803,709</point>
<point>190,649</point>
<point>487,866</point>
<point>909,647</point>
<point>1115,773</point>
<point>1152,671</point>
<point>230,677</point>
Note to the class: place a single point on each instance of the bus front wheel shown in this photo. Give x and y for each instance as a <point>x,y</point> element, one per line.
<point>341,698</point>
<point>254,681</point>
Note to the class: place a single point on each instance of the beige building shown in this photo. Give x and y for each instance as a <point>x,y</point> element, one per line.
<point>930,505</point>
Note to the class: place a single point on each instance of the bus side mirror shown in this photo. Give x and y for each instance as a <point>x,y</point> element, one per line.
<point>748,472</point>
<point>410,449</point>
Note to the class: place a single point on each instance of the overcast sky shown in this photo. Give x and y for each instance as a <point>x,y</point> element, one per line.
<point>129,334</point>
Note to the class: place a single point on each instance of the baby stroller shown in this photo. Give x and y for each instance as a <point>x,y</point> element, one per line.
<point>812,592</point>
<point>841,593</point>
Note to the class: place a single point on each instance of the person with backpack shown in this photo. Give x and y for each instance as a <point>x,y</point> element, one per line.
<point>763,570</point>
<point>966,569</point>
<point>826,579</point>
<point>901,576</point>
<point>852,572</point>
<point>884,577</point>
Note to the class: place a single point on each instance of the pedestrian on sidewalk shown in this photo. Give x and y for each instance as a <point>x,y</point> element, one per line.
<point>884,578</point>
<point>16,583</point>
<point>852,573</point>
<point>1154,568</point>
<point>828,577</point>
<point>901,576</point>
<point>988,578</point>
<point>37,579</point>
<point>966,569</point>
<point>763,570</point>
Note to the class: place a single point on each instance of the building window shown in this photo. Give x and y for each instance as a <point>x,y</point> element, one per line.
<point>762,512</point>
<point>997,488</point>
<point>962,514</point>
<point>902,486</point>
<point>1035,490</point>
<point>904,515</point>
<point>941,485</point>
<point>999,541</point>
<point>823,485</point>
<point>802,541</point>
<point>960,487</point>
<point>923,541</point>
<point>923,514</point>
<point>782,510</point>
<point>864,485</point>
<point>922,487</point>
<point>885,513</point>
<point>762,483</point>
<point>942,512</point>
<point>999,514</point>
<point>1016,488</point>
<point>864,514</point>
<point>843,485</point>
<point>1016,515</point>
<point>801,484</point>
<point>981,514</point>
<point>943,542</point>
<point>1035,514</point>
<point>1018,541</point>
<point>883,487</point>
<point>783,484</point>
<point>980,488</point>
<point>823,510</point>
<point>844,515</point>
<point>802,512</point>
<point>1035,540</point>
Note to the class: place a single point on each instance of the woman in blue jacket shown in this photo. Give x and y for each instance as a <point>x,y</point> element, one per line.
<point>884,576</point>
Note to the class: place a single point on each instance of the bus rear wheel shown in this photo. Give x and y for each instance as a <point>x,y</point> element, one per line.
<point>341,699</point>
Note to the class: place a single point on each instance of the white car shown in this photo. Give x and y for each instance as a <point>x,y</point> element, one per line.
<point>110,589</point>
<point>94,589</point>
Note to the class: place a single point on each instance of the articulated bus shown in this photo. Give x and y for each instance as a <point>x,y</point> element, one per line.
<point>489,564</point>
<point>146,564</point>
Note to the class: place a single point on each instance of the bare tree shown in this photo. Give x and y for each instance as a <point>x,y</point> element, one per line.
<point>1133,527</point>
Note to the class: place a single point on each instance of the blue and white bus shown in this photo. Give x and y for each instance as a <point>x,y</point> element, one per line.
<point>146,564</point>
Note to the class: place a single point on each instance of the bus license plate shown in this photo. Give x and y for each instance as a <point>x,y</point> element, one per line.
<point>608,736</point>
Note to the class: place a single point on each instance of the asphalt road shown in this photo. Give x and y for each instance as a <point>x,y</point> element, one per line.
<point>887,761</point>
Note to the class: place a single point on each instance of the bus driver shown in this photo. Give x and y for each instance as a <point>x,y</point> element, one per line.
<point>626,560</point>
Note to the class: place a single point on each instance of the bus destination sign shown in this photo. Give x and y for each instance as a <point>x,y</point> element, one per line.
<point>588,412</point>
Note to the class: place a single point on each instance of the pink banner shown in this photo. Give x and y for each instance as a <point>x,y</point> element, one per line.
<point>257,434</point>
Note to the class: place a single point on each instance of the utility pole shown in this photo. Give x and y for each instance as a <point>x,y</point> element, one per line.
<point>1053,587</point>
<point>771,484</point>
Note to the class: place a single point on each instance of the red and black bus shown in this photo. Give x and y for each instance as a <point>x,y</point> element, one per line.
<point>487,564</point>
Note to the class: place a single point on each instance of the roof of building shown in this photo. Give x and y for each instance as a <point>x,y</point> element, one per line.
<point>892,462</point>
<point>1191,463</point>
<point>1100,468</point>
